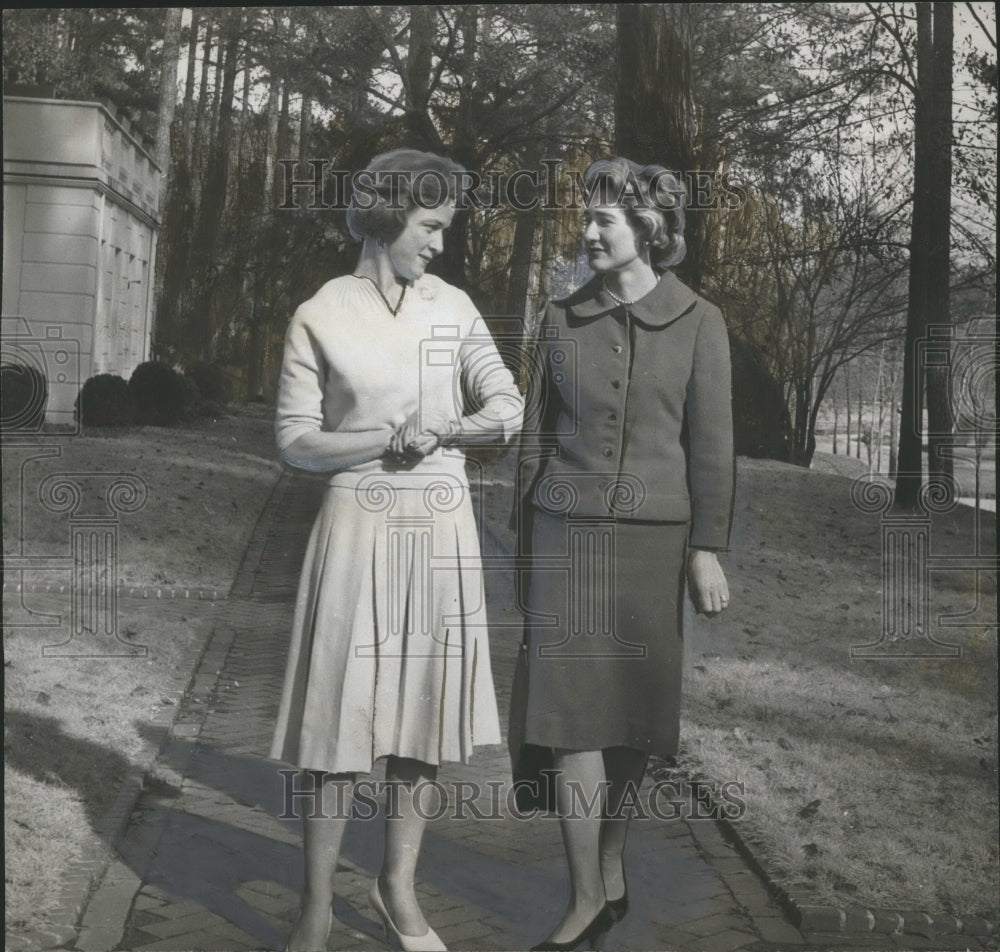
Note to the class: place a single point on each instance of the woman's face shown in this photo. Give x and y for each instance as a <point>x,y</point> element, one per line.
<point>609,239</point>
<point>420,241</point>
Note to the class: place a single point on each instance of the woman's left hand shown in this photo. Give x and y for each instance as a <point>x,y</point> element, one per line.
<point>707,582</point>
<point>409,443</point>
<point>420,435</point>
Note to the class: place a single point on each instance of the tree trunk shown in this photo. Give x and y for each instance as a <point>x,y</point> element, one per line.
<point>464,148</point>
<point>847,403</point>
<point>277,108</point>
<point>244,147</point>
<point>878,415</point>
<point>255,342</point>
<point>166,145</point>
<point>419,128</point>
<point>547,244</point>
<point>836,421</point>
<point>939,415</point>
<point>655,119</point>
<point>201,110</point>
<point>217,91</point>
<point>187,111</point>
<point>216,186</point>
<point>800,444</point>
<point>861,429</point>
<point>305,133</point>
<point>173,278</point>
<point>893,417</point>
<point>909,477</point>
<point>271,145</point>
<point>284,142</point>
<point>520,262</point>
<point>809,448</point>
<point>168,97</point>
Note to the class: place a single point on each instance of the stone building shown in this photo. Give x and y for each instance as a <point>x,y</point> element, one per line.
<point>80,227</point>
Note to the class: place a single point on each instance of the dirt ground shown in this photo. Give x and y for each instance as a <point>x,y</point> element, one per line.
<point>177,507</point>
<point>200,488</point>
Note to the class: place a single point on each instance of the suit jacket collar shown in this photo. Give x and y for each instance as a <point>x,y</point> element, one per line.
<point>664,304</point>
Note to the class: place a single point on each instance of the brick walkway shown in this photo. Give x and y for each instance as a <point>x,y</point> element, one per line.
<point>207,864</point>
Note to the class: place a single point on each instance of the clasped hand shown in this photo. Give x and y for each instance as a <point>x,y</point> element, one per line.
<point>420,435</point>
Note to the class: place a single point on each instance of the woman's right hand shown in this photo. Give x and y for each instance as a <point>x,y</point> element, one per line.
<point>419,436</point>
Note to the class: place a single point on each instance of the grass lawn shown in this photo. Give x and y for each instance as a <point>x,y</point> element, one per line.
<point>866,780</point>
<point>76,727</point>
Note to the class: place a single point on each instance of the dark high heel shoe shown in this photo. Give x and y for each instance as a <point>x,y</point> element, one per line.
<point>618,907</point>
<point>591,934</point>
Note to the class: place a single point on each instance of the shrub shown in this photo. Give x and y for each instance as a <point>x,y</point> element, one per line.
<point>211,381</point>
<point>161,396</point>
<point>104,400</point>
<point>760,417</point>
<point>24,393</point>
<point>194,405</point>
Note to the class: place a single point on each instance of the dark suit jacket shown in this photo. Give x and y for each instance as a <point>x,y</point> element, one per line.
<point>629,411</point>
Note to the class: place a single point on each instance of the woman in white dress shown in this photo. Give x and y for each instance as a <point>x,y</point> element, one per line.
<point>388,372</point>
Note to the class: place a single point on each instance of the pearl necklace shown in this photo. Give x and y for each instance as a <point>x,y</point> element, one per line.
<point>624,302</point>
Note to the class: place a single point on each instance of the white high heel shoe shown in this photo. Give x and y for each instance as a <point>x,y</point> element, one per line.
<point>430,941</point>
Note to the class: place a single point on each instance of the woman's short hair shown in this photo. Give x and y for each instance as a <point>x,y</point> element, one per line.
<point>653,199</point>
<point>393,184</point>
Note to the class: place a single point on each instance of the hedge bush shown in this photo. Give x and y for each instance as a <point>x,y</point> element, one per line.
<point>160,395</point>
<point>211,381</point>
<point>104,400</point>
<point>24,394</point>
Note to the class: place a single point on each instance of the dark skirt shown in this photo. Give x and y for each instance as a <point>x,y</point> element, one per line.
<point>605,655</point>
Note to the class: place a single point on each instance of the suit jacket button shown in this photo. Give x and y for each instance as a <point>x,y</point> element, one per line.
<point>607,451</point>
<point>616,384</point>
<point>618,348</point>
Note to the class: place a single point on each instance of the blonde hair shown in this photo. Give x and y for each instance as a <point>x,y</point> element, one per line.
<point>653,199</point>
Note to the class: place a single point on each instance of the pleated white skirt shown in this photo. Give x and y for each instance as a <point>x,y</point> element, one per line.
<point>389,651</point>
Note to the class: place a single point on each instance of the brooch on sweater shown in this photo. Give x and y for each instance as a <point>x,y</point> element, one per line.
<point>428,291</point>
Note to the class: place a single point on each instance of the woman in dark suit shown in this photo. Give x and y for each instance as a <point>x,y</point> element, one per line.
<point>625,487</point>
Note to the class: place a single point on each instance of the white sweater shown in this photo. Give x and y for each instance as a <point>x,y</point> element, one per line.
<point>353,372</point>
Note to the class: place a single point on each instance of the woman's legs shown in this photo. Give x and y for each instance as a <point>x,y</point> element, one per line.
<point>404,830</point>
<point>624,768</point>
<point>580,796</point>
<point>323,832</point>
<point>591,786</point>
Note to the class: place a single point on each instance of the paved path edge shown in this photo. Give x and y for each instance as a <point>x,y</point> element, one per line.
<point>96,922</point>
<point>94,912</point>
